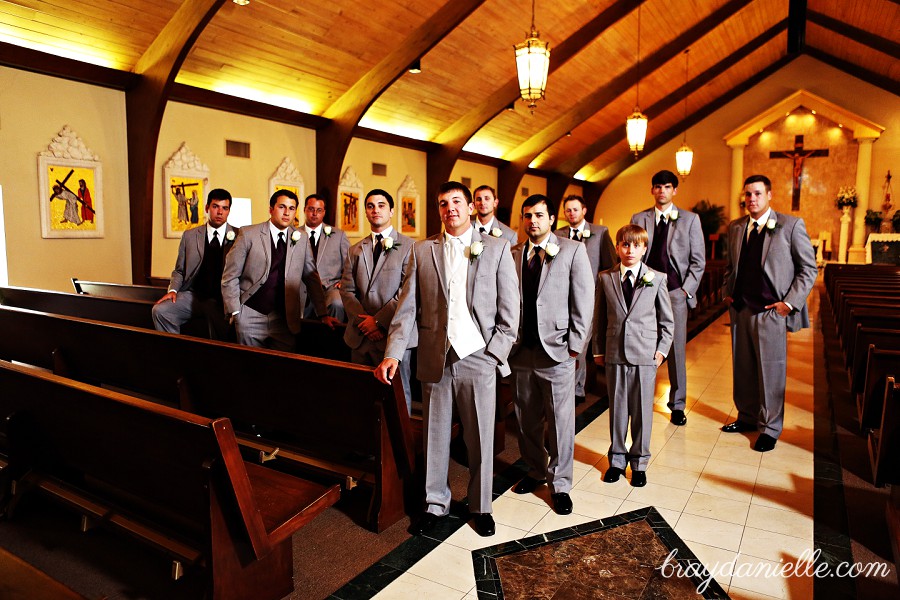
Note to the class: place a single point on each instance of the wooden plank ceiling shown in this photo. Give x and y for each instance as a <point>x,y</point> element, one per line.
<point>306,55</point>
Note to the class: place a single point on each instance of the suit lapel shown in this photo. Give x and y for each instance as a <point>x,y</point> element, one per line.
<point>472,269</point>
<point>385,254</point>
<point>548,262</point>
<point>201,241</point>
<point>518,252</point>
<point>365,255</point>
<point>617,286</point>
<point>437,255</point>
<point>638,288</point>
<point>289,233</point>
<point>768,235</point>
<point>323,241</point>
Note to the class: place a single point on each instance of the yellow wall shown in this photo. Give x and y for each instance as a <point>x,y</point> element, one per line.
<point>33,109</point>
<point>711,176</point>
<point>205,131</point>
<point>478,173</point>
<point>400,163</point>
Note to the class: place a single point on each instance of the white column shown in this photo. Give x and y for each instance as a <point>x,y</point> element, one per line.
<point>845,235</point>
<point>863,177</point>
<point>737,181</point>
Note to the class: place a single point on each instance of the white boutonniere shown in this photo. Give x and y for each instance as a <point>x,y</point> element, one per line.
<point>772,225</point>
<point>551,250</point>
<point>475,251</point>
<point>388,243</point>
<point>496,232</point>
<point>229,235</point>
<point>295,237</point>
<point>647,279</point>
<point>585,233</point>
<point>673,215</point>
<point>328,230</point>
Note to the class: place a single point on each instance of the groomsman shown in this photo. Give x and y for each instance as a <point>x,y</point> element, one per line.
<point>370,287</point>
<point>330,247</point>
<point>600,251</point>
<point>486,222</point>
<point>557,304</point>
<point>195,287</point>
<point>676,249</point>
<point>462,296</point>
<point>770,271</point>
<point>267,276</point>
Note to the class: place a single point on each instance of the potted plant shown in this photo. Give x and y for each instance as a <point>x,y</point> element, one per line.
<point>873,219</point>
<point>712,217</point>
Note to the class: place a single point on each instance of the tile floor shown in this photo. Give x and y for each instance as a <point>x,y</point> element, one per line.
<point>727,502</point>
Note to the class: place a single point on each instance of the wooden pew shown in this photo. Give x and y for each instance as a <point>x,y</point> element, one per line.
<point>880,364</point>
<point>842,317</point>
<point>886,317</point>
<point>884,442</point>
<point>135,313</point>
<point>883,339</point>
<point>318,415</point>
<point>836,272</point>
<point>171,479</point>
<point>147,293</point>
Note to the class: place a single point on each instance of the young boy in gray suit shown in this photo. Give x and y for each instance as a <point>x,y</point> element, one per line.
<point>634,327</point>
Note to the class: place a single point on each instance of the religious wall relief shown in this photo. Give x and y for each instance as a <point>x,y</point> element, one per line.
<point>809,158</point>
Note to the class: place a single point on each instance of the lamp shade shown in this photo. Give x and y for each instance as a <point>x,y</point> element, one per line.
<point>684,160</point>
<point>636,130</point>
<point>533,67</point>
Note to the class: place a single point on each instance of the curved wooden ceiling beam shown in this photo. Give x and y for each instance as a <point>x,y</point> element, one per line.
<point>455,137</point>
<point>866,38</point>
<point>145,104</point>
<point>676,129</point>
<point>594,102</point>
<point>574,163</point>
<point>333,140</point>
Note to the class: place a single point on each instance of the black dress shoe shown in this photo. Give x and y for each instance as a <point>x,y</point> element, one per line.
<point>738,427</point>
<point>613,474</point>
<point>579,400</point>
<point>678,418</point>
<point>484,524</point>
<point>527,485</point>
<point>764,443</point>
<point>638,478</point>
<point>425,524</point>
<point>562,503</point>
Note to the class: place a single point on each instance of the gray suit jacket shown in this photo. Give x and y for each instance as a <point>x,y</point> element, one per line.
<point>565,299</point>
<point>333,250</point>
<point>633,336</point>
<point>190,256</point>
<point>492,298</point>
<point>247,268</point>
<point>788,259</point>
<point>600,247</point>
<point>687,251</point>
<point>506,232</point>
<point>374,290</point>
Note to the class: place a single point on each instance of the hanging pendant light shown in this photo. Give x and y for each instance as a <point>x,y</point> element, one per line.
<point>532,65</point>
<point>684,156</point>
<point>636,124</point>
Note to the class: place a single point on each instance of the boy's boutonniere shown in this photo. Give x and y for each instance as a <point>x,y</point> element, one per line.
<point>475,251</point>
<point>295,237</point>
<point>229,236</point>
<point>328,230</point>
<point>585,233</point>
<point>647,279</point>
<point>551,250</point>
<point>388,243</point>
<point>496,232</point>
<point>673,215</point>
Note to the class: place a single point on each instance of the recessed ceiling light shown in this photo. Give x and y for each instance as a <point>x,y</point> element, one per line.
<point>241,2</point>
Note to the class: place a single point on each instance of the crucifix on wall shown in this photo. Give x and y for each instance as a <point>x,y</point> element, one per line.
<point>798,155</point>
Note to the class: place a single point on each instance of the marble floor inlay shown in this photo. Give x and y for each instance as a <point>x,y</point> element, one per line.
<point>631,555</point>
